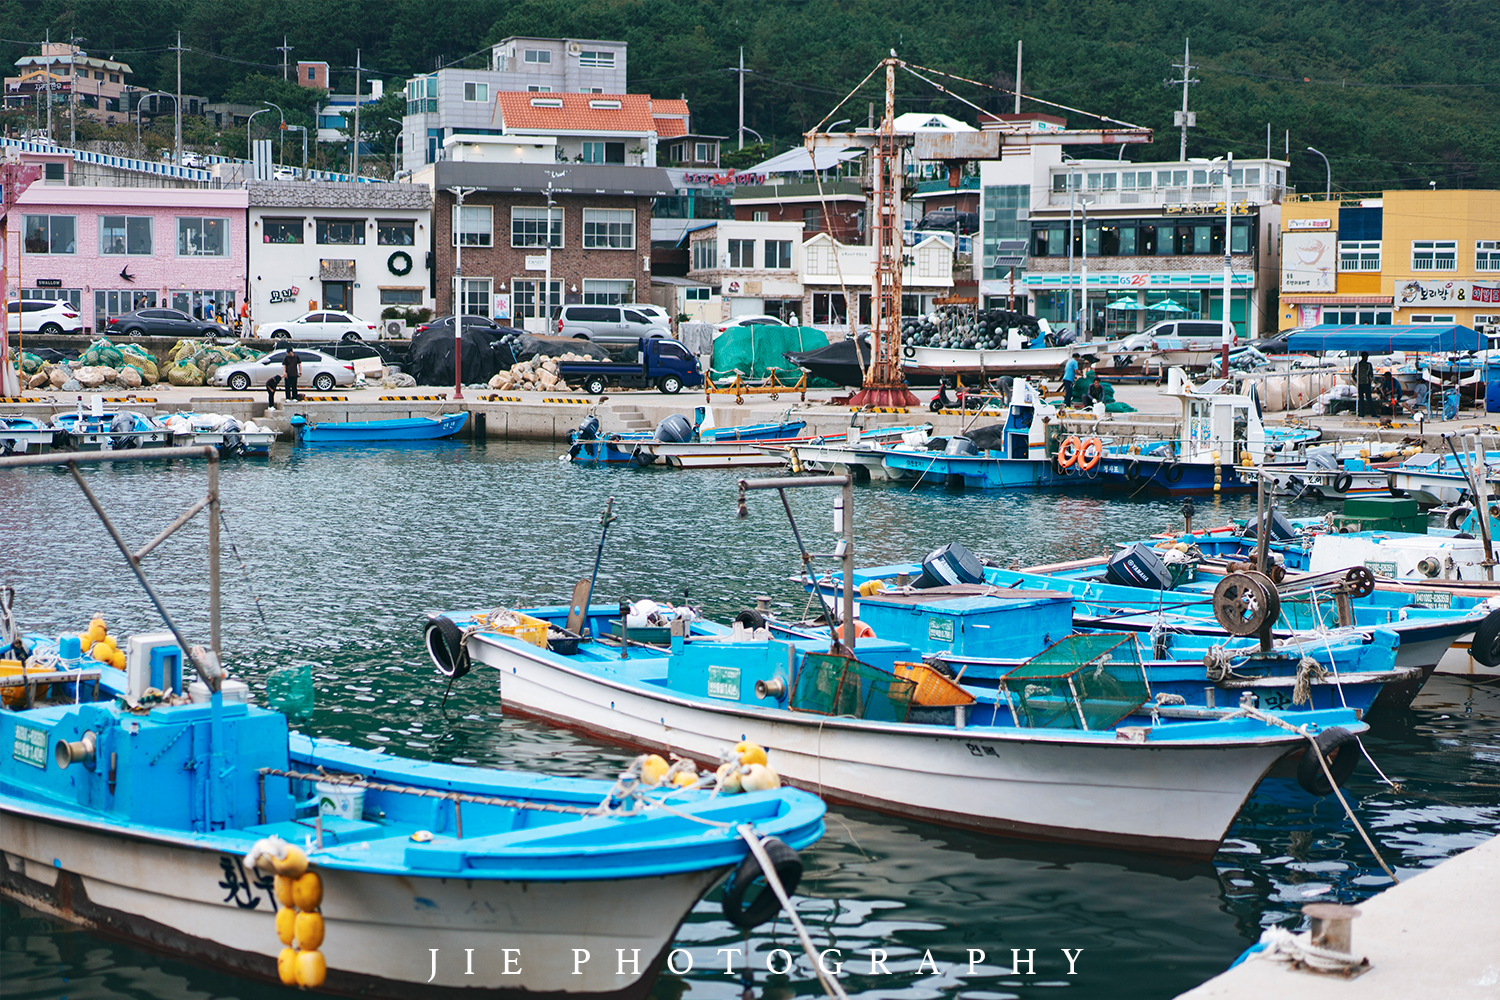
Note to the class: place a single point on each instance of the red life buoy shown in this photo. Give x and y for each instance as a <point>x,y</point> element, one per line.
<point>1089,456</point>
<point>863,631</point>
<point>1068,453</point>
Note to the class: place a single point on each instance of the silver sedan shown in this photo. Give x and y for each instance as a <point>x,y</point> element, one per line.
<point>319,370</point>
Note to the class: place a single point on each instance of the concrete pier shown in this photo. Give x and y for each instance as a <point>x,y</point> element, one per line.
<point>1432,936</point>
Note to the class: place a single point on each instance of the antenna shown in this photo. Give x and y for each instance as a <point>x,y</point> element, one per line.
<point>1185,119</point>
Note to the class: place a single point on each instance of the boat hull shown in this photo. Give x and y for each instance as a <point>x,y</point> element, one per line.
<point>357,432</point>
<point>1151,475</point>
<point>1174,799</point>
<point>929,364</point>
<point>974,471</point>
<point>198,904</point>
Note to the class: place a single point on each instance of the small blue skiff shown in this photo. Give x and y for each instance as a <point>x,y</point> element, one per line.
<point>357,431</point>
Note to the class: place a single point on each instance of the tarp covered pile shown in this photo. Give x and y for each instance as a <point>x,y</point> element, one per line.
<point>756,351</point>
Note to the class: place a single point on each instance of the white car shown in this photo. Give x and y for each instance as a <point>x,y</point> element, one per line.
<point>43,316</point>
<point>749,321</point>
<point>656,314</point>
<point>319,370</point>
<point>324,325</point>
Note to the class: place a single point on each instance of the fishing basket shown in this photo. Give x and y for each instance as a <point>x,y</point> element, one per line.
<point>1085,681</point>
<point>830,684</point>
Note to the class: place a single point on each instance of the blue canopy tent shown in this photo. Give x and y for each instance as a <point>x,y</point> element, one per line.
<point>1424,338</point>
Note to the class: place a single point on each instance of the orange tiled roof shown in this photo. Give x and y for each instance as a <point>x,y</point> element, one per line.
<point>667,128</point>
<point>669,106</point>
<point>518,113</point>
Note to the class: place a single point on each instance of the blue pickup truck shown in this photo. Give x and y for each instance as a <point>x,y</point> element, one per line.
<point>661,362</point>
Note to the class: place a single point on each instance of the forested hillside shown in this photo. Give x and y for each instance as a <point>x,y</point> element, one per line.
<point>1398,94</point>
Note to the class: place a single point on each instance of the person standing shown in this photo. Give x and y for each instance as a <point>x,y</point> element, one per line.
<point>1070,375</point>
<point>1364,379</point>
<point>292,366</point>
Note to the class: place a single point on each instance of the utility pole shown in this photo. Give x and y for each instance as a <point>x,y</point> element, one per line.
<point>1018,76</point>
<point>177,139</point>
<point>47,46</point>
<point>1185,119</point>
<point>458,288</point>
<point>72,86</point>
<point>1226,335</point>
<point>357,66</point>
<point>742,97</point>
<point>284,48</point>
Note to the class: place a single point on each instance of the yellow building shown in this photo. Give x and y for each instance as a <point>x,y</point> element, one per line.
<point>1403,257</point>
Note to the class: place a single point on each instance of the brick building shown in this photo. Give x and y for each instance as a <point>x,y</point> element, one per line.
<point>598,228</point>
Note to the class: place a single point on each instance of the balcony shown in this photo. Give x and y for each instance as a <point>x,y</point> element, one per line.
<point>1257,194</point>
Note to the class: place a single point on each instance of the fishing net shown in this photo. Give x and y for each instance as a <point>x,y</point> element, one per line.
<point>141,360</point>
<point>756,351</point>
<point>185,373</point>
<point>101,353</point>
<point>828,684</point>
<point>1086,681</point>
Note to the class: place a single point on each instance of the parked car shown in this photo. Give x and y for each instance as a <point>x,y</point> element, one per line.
<point>483,323</point>
<point>323,325</point>
<point>655,313</point>
<point>318,370</point>
<point>617,324</point>
<point>42,316</point>
<point>165,323</point>
<point>1180,334</point>
<point>749,321</point>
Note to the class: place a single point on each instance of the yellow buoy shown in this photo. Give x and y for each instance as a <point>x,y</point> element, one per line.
<point>685,778</point>
<point>286,966</point>
<point>312,969</point>
<point>98,622</point>
<point>309,929</point>
<point>729,778</point>
<point>750,753</point>
<point>103,653</point>
<point>760,779</point>
<point>118,660</point>
<point>653,769</point>
<point>293,864</point>
<point>86,641</point>
<point>109,641</point>
<point>307,891</point>
<point>284,890</point>
<point>286,924</point>
<point>870,588</point>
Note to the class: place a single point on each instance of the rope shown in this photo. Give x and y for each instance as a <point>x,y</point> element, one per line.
<point>1218,662</point>
<point>830,984</point>
<point>1281,945</point>
<point>1308,671</point>
<point>353,781</point>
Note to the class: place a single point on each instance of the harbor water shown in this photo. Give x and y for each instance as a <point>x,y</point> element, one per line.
<point>334,557</point>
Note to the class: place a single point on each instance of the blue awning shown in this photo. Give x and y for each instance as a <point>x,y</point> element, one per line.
<point>1430,338</point>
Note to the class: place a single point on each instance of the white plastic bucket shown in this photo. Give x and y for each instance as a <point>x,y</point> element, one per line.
<point>340,800</point>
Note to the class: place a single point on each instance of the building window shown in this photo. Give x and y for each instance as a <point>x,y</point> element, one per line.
<point>705,255</point>
<point>1358,317</point>
<point>778,254</point>
<point>539,57</point>
<point>125,234</point>
<point>202,237</point>
<point>395,232</point>
<point>312,74</point>
<point>477,92</point>
<point>1359,255</point>
<point>114,78</point>
<point>341,232</point>
<point>608,293</point>
<point>474,297</point>
<point>603,152</point>
<point>609,229</point>
<point>281,230</point>
<point>742,253</point>
<point>760,216</point>
<point>1487,255</point>
<point>473,226</point>
<point>829,307</point>
<point>528,227</point>
<point>116,303</point>
<point>74,296</point>
<point>401,296</point>
<point>700,294</point>
<point>1434,255</point>
<point>527,292</point>
<point>1430,318</point>
<point>704,152</point>
<point>537,89</point>
<point>51,234</point>
<point>604,60</point>
<point>812,221</point>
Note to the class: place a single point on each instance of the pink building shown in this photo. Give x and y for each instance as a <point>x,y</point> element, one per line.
<point>112,250</point>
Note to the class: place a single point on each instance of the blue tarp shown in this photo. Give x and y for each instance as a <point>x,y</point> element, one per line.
<point>1430,338</point>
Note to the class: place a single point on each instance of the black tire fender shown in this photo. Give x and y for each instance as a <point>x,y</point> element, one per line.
<point>1172,473</point>
<point>1390,484</point>
<point>1457,516</point>
<point>445,644</point>
<point>1133,470</point>
<point>1343,482</point>
<point>763,906</point>
<point>908,351</point>
<point>751,619</point>
<point>1341,749</point>
<point>1486,645</point>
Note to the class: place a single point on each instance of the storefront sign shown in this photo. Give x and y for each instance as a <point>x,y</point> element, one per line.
<point>536,263</point>
<point>731,288</point>
<point>1308,262</point>
<point>1412,293</point>
<point>49,282</point>
<point>336,270</point>
<point>1309,224</point>
<point>1135,280</point>
<point>723,179</point>
<point>284,295</point>
<point>1486,294</point>
<point>502,306</point>
<point>1205,208</point>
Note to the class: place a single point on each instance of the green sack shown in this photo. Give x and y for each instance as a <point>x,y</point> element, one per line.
<point>101,353</point>
<point>185,373</point>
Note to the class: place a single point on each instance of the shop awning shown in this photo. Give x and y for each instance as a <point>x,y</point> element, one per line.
<point>1309,299</point>
<point>1431,338</point>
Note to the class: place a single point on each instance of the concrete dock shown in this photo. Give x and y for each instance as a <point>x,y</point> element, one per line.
<point>1432,937</point>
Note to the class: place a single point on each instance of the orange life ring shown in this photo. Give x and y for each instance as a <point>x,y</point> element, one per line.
<point>863,631</point>
<point>1068,453</point>
<point>1092,447</point>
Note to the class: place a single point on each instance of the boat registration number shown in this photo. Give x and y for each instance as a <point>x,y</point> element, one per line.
<point>724,682</point>
<point>30,746</point>
<point>940,629</point>
<point>1387,569</point>
<point>1114,468</point>
<point>1432,599</point>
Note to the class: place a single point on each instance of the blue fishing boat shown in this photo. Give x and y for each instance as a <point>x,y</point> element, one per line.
<point>108,431</point>
<point>311,432</point>
<point>587,444</point>
<point>24,435</point>
<point>171,812</point>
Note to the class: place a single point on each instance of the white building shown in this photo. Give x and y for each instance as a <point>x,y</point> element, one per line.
<point>831,268</point>
<point>744,269</point>
<point>359,248</point>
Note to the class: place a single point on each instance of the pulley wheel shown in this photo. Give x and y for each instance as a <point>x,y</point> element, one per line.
<point>1246,602</point>
<point>1361,580</point>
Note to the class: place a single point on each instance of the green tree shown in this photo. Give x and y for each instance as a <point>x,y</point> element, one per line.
<point>737,159</point>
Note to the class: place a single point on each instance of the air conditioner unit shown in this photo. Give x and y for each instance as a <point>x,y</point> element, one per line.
<point>393,329</point>
<point>574,48</point>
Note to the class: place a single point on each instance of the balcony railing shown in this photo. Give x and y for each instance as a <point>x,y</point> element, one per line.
<point>1257,194</point>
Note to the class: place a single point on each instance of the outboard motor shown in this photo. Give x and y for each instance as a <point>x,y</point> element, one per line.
<point>123,421</point>
<point>949,565</point>
<point>674,429</point>
<point>589,429</point>
<point>960,446</point>
<point>1281,529</point>
<point>1138,566</point>
<point>232,440</point>
<point>1322,461</point>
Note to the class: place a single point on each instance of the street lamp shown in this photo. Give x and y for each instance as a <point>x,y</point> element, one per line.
<point>1084,274</point>
<point>458,285</point>
<point>153,93</point>
<point>1328,172</point>
<point>281,135</point>
<point>303,130</point>
<point>1072,205</point>
<point>249,146</point>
